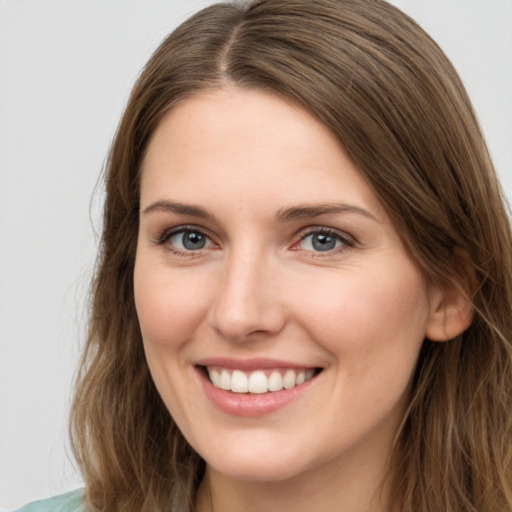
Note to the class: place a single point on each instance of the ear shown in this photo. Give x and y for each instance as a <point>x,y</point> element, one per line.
<point>451,311</point>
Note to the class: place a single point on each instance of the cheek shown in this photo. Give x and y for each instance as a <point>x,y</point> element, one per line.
<point>367,316</point>
<point>373,326</point>
<point>169,305</point>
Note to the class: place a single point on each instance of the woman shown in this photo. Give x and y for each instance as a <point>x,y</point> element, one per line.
<point>303,297</point>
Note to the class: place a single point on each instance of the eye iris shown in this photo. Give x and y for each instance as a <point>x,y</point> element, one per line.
<point>323,242</point>
<point>192,240</point>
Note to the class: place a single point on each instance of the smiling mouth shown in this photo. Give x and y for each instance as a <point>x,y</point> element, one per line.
<point>258,381</point>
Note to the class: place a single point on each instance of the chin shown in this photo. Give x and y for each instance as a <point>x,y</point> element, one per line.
<point>257,461</point>
<point>253,470</point>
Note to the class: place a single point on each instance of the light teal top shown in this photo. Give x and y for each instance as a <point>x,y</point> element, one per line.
<point>69,502</point>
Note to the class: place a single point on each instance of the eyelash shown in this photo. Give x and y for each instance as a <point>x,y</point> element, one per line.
<point>166,235</point>
<point>346,242</point>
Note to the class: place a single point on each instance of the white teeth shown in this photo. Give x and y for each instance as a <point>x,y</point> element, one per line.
<point>239,382</point>
<point>289,379</point>
<point>215,377</point>
<point>225,380</point>
<point>275,381</point>
<point>258,381</point>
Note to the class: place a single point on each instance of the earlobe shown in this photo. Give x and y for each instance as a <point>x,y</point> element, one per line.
<point>451,308</point>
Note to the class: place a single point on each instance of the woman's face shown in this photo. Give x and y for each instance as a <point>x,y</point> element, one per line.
<point>264,261</point>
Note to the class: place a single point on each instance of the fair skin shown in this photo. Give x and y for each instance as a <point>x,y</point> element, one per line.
<point>263,252</point>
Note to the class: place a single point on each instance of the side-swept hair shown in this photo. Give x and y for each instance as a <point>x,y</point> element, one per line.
<point>393,99</point>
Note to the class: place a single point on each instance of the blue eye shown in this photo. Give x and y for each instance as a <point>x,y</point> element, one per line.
<point>323,241</point>
<point>189,240</point>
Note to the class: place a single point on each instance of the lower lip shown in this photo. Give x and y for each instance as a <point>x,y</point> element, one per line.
<point>247,404</point>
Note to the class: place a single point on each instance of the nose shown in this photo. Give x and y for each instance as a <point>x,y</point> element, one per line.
<point>248,301</point>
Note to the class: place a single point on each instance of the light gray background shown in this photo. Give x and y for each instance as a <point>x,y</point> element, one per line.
<point>66,68</point>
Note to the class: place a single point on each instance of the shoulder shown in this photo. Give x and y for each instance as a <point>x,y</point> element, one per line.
<point>69,502</point>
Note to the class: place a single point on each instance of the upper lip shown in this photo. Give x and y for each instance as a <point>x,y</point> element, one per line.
<point>258,363</point>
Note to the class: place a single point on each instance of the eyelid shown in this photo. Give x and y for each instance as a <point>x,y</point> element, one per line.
<point>347,240</point>
<point>163,237</point>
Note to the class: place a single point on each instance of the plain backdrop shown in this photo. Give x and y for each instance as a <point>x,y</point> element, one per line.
<point>66,69</point>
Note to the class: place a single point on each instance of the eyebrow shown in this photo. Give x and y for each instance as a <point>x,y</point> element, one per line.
<point>311,211</point>
<point>283,215</point>
<point>180,208</point>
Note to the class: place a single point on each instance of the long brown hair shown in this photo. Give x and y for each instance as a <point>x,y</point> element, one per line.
<point>393,99</point>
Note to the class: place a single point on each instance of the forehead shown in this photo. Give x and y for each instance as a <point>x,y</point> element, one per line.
<point>247,145</point>
<point>234,121</point>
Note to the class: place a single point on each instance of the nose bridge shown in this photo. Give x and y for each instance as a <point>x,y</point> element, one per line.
<point>247,300</point>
